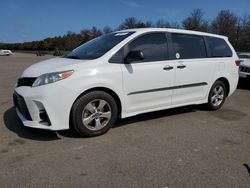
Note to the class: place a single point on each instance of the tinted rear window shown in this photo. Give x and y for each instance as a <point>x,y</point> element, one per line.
<point>189,46</point>
<point>218,47</point>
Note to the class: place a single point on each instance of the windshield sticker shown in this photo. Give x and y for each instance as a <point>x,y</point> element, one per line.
<point>121,34</point>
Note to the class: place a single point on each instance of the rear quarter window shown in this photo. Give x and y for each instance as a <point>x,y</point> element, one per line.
<point>218,47</point>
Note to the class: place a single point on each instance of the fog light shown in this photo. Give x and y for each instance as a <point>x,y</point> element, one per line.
<point>44,117</point>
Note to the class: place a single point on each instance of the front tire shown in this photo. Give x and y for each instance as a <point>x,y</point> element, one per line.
<point>94,113</point>
<point>217,95</point>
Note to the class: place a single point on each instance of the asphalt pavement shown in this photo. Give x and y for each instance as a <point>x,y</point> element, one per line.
<point>181,147</point>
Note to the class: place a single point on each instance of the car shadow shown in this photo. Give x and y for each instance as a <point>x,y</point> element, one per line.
<point>70,134</point>
<point>139,118</point>
<point>244,84</point>
<point>154,115</point>
<point>13,123</point>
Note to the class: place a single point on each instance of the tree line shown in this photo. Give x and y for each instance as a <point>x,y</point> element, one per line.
<point>237,28</point>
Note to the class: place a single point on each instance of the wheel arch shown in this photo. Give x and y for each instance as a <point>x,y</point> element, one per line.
<point>226,82</point>
<point>104,89</point>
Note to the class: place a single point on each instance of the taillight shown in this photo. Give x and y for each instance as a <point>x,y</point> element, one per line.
<point>237,62</point>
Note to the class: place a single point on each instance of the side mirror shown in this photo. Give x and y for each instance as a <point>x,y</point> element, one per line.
<point>133,56</point>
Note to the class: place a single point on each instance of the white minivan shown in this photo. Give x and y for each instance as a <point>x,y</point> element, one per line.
<point>123,74</point>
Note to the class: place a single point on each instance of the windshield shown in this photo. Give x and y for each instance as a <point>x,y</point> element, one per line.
<point>98,46</point>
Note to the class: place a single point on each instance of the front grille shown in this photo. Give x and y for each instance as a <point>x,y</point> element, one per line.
<point>26,81</point>
<point>20,104</point>
<point>245,69</point>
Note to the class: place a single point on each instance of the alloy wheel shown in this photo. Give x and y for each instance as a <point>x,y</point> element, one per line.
<point>96,114</point>
<point>217,95</point>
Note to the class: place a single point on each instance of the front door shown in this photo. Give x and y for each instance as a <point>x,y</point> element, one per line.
<point>148,83</point>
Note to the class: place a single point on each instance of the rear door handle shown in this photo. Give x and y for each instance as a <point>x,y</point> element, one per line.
<point>181,66</point>
<point>168,67</point>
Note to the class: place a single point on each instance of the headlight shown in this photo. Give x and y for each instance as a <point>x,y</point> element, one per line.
<point>51,78</point>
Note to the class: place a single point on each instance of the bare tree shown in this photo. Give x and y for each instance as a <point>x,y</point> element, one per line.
<point>148,24</point>
<point>72,40</point>
<point>174,25</point>
<point>130,23</point>
<point>243,33</point>
<point>107,30</point>
<point>225,23</point>
<point>162,24</point>
<point>196,21</point>
<point>94,32</point>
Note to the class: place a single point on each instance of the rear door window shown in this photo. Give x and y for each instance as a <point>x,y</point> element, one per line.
<point>187,46</point>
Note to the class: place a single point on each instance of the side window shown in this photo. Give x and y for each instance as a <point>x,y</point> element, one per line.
<point>218,47</point>
<point>188,46</point>
<point>153,46</point>
<point>117,57</point>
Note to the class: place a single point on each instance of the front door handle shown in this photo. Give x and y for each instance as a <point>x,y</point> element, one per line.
<point>181,66</point>
<point>168,67</point>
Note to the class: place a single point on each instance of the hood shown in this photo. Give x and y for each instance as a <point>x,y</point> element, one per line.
<point>245,62</point>
<point>52,65</point>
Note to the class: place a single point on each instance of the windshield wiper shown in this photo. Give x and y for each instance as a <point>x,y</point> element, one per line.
<point>72,57</point>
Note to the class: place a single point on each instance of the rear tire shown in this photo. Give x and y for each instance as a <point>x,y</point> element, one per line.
<point>94,113</point>
<point>217,95</point>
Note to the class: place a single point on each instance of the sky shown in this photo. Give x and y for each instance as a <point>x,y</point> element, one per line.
<point>28,20</point>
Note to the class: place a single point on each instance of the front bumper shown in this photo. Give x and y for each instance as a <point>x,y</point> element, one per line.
<point>244,72</point>
<point>44,107</point>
